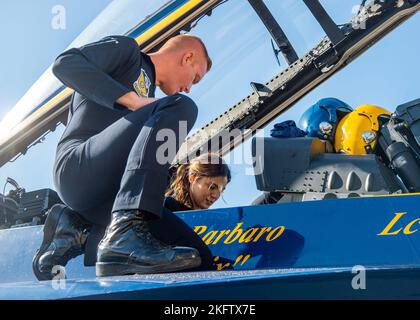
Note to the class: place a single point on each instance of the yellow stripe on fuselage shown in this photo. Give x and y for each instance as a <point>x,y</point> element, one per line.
<point>166,21</point>
<point>55,100</point>
<point>48,105</point>
<point>398,195</point>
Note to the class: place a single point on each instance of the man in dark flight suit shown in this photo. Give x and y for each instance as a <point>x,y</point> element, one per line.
<point>107,156</point>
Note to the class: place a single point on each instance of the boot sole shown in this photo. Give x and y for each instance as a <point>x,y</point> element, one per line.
<point>49,230</point>
<point>108,269</point>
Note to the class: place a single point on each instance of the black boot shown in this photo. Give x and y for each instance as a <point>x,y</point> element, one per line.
<point>129,248</point>
<point>65,234</point>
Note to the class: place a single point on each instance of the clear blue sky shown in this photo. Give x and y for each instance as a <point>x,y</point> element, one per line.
<point>387,75</point>
<point>30,44</point>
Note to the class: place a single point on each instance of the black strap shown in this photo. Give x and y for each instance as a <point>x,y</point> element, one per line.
<point>331,29</point>
<point>275,30</point>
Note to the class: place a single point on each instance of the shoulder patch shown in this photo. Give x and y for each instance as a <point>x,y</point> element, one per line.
<point>142,85</point>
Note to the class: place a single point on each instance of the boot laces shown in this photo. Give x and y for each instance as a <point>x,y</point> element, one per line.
<point>142,230</point>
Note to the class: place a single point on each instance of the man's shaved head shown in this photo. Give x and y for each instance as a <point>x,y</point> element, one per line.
<point>183,41</point>
<point>180,63</point>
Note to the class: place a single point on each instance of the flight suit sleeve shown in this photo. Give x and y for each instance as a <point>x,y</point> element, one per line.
<point>91,70</point>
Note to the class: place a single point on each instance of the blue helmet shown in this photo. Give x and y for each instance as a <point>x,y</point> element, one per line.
<point>321,119</point>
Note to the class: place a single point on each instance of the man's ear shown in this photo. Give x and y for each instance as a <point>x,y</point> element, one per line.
<point>187,57</point>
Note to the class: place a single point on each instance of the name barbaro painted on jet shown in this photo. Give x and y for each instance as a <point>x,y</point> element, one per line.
<point>254,234</point>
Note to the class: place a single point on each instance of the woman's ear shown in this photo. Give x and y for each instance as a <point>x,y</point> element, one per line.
<point>191,178</point>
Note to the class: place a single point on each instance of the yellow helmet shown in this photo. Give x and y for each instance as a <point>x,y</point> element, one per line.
<point>358,129</point>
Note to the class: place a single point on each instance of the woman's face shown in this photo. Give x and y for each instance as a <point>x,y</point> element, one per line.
<point>205,191</point>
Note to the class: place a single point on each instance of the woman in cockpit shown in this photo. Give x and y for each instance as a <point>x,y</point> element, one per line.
<point>197,185</point>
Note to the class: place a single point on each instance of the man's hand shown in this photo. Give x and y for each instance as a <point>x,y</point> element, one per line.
<point>133,102</point>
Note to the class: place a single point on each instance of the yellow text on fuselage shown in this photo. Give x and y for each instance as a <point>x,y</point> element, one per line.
<point>395,227</point>
<point>254,234</point>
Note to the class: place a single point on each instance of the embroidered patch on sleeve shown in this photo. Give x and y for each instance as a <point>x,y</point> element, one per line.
<point>142,85</point>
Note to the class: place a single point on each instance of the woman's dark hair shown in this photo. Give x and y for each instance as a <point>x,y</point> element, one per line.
<point>206,165</point>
